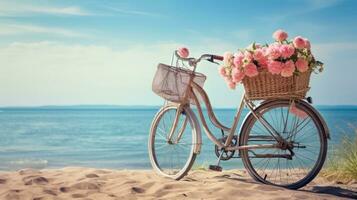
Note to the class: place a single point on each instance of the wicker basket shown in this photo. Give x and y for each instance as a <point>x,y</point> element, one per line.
<point>268,86</point>
<point>172,83</point>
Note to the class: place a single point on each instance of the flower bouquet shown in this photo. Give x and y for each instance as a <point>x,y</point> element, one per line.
<point>278,70</point>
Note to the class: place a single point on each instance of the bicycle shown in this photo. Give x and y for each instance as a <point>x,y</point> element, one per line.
<point>276,146</point>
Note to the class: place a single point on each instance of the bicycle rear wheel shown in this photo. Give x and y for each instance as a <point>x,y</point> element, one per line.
<point>173,158</point>
<point>304,134</point>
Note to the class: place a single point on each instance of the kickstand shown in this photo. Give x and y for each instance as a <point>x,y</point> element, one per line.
<point>217,167</point>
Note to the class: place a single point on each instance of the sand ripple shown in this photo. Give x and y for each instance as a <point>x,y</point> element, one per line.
<point>92,184</point>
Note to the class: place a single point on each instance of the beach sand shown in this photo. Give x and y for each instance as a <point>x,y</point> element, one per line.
<point>88,183</point>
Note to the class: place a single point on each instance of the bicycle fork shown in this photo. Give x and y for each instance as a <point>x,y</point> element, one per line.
<point>179,111</point>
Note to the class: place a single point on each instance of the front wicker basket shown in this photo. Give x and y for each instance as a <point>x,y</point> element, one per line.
<point>268,86</point>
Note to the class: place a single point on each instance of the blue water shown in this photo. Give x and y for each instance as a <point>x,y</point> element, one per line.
<point>108,138</point>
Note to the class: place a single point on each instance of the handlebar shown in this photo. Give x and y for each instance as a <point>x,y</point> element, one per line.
<point>220,58</point>
<point>194,61</point>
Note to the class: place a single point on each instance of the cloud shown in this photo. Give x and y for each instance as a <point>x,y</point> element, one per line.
<point>42,73</point>
<point>15,9</point>
<point>18,29</point>
<point>52,73</point>
<point>303,7</point>
<point>133,12</point>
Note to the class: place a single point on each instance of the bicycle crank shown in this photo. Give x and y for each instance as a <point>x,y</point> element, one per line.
<point>227,154</point>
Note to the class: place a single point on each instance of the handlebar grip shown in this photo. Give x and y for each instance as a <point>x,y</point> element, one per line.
<point>215,57</point>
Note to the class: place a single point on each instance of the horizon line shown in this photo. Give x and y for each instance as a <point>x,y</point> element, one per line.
<point>134,106</point>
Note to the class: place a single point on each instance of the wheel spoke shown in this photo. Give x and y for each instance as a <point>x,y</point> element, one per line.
<point>303,135</point>
<point>160,132</point>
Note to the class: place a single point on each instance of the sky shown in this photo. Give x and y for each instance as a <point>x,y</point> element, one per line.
<point>106,52</point>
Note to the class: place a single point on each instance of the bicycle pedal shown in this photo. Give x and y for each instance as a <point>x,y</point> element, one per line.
<point>215,168</point>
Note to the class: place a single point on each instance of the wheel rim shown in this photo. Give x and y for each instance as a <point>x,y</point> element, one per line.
<point>172,159</point>
<point>299,132</point>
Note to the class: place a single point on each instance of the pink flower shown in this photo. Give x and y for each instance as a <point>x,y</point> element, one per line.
<point>262,59</point>
<point>227,55</point>
<point>238,59</point>
<point>228,58</point>
<point>230,83</point>
<point>307,44</point>
<point>237,75</point>
<point>280,35</point>
<point>250,70</point>
<point>299,42</point>
<point>248,56</point>
<point>222,71</point>
<point>263,62</point>
<point>274,67</point>
<point>183,52</point>
<point>288,69</point>
<point>286,50</point>
<point>258,54</point>
<point>301,65</point>
<point>273,51</point>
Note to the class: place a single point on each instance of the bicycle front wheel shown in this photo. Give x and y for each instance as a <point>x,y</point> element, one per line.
<point>294,164</point>
<point>172,158</point>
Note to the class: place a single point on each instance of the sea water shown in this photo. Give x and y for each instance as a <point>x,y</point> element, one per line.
<point>114,138</point>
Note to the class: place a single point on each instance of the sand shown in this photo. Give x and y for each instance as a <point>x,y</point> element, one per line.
<point>88,183</point>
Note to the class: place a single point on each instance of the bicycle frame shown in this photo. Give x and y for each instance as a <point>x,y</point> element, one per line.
<point>192,89</point>
<point>232,130</point>
<point>244,102</point>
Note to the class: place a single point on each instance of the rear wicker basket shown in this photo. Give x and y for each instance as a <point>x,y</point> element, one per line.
<point>268,86</point>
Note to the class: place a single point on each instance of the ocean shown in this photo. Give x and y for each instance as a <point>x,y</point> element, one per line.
<point>109,137</point>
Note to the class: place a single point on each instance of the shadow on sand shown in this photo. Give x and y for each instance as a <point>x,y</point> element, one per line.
<point>336,191</point>
<point>331,190</point>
